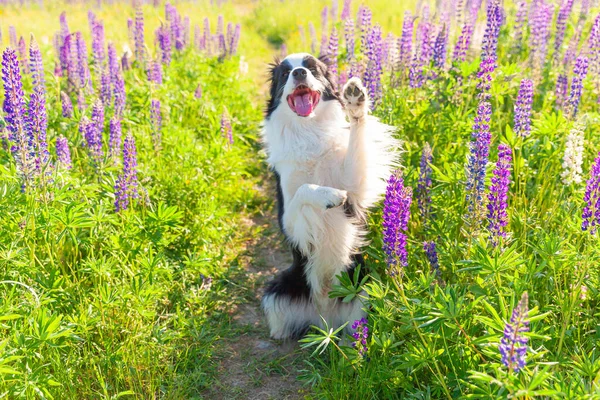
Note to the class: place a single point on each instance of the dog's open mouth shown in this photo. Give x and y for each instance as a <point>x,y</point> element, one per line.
<point>303,100</point>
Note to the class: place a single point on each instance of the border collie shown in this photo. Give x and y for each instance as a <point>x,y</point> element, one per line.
<point>330,160</point>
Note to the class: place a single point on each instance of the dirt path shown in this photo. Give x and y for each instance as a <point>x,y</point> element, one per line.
<point>252,365</point>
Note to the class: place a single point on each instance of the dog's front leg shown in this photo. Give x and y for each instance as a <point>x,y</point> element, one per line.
<point>301,221</point>
<point>355,164</point>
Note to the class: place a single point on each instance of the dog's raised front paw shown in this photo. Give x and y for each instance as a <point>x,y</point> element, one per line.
<point>355,98</point>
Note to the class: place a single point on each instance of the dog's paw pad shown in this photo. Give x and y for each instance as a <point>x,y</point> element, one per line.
<point>355,97</point>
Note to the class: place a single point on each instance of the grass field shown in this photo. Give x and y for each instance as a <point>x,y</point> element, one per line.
<point>139,277</point>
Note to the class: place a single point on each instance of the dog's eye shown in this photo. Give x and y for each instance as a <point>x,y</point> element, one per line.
<point>313,70</point>
<point>286,73</point>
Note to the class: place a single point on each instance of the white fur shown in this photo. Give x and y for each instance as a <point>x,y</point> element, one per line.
<point>323,160</point>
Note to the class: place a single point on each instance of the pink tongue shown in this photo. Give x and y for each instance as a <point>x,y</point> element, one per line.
<point>303,105</point>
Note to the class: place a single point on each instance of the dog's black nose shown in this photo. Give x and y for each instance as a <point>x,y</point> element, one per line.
<point>300,73</point>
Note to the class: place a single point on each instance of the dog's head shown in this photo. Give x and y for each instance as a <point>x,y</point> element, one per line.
<point>301,82</point>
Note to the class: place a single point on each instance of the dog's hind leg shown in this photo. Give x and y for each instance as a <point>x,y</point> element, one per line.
<point>301,222</point>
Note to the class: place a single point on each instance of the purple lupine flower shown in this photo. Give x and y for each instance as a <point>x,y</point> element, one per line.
<point>572,49</point>
<point>364,19</point>
<point>489,47</point>
<point>226,129</point>
<point>332,52</point>
<point>156,121</point>
<point>163,37</point>
<point>439,48</point>
<point>125,62</point>
<point>220,25</point>
<point>523,108</point>
<point>131,31</point>
<point>198,92</point>
<point>484,76</point>
<point>126,186</point>
<point>346,10</point>
<point>113,62</point>
<point>406,40</point>
<point>422,57</point>
<point>334,11</point>
<point>324,13</point>
<point>67,106</point>
<point>561,23</point>
<point>186,30</point>
<point>424,185</point>
<point>520,23</point>
<point>140,50</point>
<point>283,51</point>
<point>360,336</point>
<point>579,73</point>
<point>67,58</point>
<point>155,72</point>
<point>541,20</point>
<point>474,11</point>
<point>22,47</point>
<point>91,20</point>
<point>390,52</point>
<point>36,125</point>
<point>105,87</point>
<point>476,166</point>
<point>432,257</point>
<point>222,46</point>
<point>14,110</point>
<point>36,67</point>
<point>396,213</point>
<point>374,70</point>
<point>235,39</point>
<point>313,38</point>
<point>229,35</point>
<point>198,37</point>
<point>114,141</point>
<point>562,86</point>
<point>497,198</point>
<point>324,45</point>
<point>594,46</point>
<point>513,345</point>
<point>207,35</point>
<point>98,44</point>
<point>349,38</point>
<point>462,44</point>
<point>93,132</point>
<point>12,35</point>
<point>591,210</point>
<point>63,154</point>
<point>83,70</point>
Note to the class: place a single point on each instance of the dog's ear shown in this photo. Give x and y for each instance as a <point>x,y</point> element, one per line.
<point>332,90</point>
<point>274,84</point>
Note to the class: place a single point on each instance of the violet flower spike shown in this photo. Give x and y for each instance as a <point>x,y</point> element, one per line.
<point>67,105</point>
<point>513,345</point>
<point>126,186</point>
<point>333,52</point>
<point>360,336</point>
<point>114,142</point>
<point>523,108</point>
<point>406,40</point>
<point>226,129</point>
<point>498,196</point>
<point>477,162</point>
<point>63,154</point>
<point>561,24</point>
<point>346,10</point>
<point>349,38</point>
<point>591,210</point>
<point>432,257</point>
<point>14,115</point>
<point>396,213</point>
<point>156,122</point>
<point>374,69</point>
<point>424,184</point>
<point>579,74</point>
<point>140,49</point>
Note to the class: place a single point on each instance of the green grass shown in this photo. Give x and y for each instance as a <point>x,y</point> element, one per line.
<point>99,304</point>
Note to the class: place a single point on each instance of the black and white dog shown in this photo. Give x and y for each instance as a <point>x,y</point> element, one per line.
<point>331,161</point>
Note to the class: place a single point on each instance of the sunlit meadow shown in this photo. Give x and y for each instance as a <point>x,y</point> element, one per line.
<point>131,180</point>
